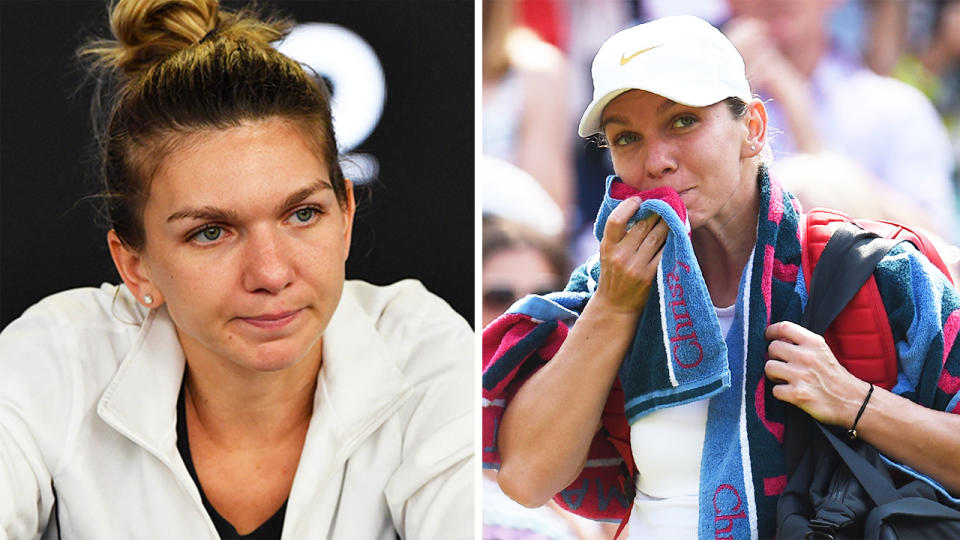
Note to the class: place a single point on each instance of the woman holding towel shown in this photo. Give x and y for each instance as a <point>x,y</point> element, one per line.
<point>236,385</point>
<point>687,317</point>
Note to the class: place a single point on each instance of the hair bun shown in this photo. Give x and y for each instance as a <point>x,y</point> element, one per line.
<point>147,31</point>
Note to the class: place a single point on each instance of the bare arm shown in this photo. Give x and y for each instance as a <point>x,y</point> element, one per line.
<point>547,428</point>
<point>924,439</point>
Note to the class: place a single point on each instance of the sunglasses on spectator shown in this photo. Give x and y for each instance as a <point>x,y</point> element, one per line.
<point>500,296</point>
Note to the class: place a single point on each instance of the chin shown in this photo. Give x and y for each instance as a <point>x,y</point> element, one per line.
<point>277,356</point>
<point>269,365</point>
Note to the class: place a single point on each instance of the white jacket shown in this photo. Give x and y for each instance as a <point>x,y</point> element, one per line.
<point>88,389</point>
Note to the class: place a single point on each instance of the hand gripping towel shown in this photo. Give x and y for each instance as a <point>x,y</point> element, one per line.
<point>678,353</point>
<point>742,472</point>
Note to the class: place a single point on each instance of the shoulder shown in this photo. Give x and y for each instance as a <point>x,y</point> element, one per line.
<point>413,323</point>
<point>71,342</point>
<point>57,358</point>
<point>905,265</point>
<point>405,303</point>
<point>915,292</point>
<point>86,315</point>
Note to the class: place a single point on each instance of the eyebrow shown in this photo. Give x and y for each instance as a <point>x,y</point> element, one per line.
<point>207,213</point>
<point>666,105</point>
<point>612,120</point>
<point>212,213</point>
<point>301,195</point>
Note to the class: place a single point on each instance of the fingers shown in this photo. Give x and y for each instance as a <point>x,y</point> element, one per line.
<point>616,226</point>
<point>793,352</point>
<point>792,332</point>
<point>806,373</point>
<point>638,252</point>
<point>629,257</point>
<point>790,342</point>
<point>779,372</point>
<point>646,238</point>
<point>649,234</point>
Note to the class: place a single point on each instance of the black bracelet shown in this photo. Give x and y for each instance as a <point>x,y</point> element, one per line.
<point>852,432</point>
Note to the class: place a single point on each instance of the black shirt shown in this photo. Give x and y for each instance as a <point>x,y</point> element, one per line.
<point>269,530</point>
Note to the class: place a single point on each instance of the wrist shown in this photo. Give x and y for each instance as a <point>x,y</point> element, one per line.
<point>860,410</point>
<point>602,306</point>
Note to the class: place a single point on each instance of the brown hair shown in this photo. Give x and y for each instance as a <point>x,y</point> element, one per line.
<point>501,234</point>
<point>177,67</point>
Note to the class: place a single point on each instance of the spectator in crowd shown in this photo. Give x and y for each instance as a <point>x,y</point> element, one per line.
<point>834,181</point>
<point>524,98</point>
<point>821,100</point>
<point>510,193</point>
<point>935,70</point>
<point>517,261</point>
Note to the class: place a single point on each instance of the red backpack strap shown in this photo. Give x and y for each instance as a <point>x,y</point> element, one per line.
<point>860,336</point>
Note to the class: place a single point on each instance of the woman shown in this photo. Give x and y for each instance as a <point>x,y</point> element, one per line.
<point>524,101</point>
<point>517,261</point>
<point>673,104</point>
<point>235,386</point>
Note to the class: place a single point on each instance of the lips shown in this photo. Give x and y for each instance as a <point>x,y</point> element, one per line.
<point>270,321</point>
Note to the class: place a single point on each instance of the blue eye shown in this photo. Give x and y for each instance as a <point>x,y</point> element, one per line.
<point>625,139</point>
<point>208,234</point>
<point>684,121</point>
<point>304,215</point>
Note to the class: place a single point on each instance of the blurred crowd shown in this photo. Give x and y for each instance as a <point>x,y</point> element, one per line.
<point>863,99</point>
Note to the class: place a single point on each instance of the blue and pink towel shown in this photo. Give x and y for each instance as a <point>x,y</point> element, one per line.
<point>679,355</point>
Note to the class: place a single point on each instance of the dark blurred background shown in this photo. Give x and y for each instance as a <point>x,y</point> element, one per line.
<point>418,220</point>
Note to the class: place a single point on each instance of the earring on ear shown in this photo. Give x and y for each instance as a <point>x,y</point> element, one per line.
<point>753,147</point>
<point>147,299</point>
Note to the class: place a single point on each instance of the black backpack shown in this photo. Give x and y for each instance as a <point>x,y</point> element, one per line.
<point>837,490</point>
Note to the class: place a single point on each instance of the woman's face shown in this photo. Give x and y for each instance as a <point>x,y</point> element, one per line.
<point>511,274</point>
<point>246,245</point>
<point>698,151</point>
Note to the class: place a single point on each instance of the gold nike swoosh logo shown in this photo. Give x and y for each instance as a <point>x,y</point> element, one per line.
<point>625,59</point>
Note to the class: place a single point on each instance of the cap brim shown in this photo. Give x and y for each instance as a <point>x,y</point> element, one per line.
<point>590,121</point>
<point>685,94</point>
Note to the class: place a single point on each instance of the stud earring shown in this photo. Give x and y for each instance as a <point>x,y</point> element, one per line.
<point>147,299</point>
<point>753,147</point>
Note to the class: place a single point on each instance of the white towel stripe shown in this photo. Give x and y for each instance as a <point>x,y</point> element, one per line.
<point>594,260</point>
<point>663,324</point>
<point>744,443</point>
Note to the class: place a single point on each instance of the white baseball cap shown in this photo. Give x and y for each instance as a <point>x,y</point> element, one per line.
<point>682,58</point>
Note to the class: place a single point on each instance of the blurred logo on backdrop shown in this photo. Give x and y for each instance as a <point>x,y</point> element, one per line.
<point>357,85</point>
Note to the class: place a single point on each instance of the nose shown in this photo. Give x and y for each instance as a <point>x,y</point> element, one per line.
<point>659,160</point>
<point>267,265</point>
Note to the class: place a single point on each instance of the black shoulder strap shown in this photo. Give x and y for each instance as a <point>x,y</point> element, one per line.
<point>877,487</point>
<point>847,262</point>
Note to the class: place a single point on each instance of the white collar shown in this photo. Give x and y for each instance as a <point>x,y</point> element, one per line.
<point>359,385</point>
